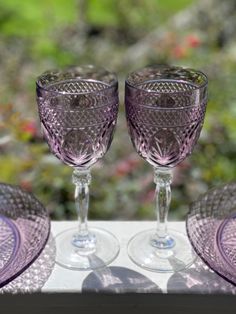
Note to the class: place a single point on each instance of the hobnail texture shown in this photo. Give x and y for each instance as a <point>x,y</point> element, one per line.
<point>78,109</point>
<point>36,275</point>
<point>78,114</point>
<point>165,116</point>
<point>211,227</point>
<point>24,230</point>
<point>165,109</point>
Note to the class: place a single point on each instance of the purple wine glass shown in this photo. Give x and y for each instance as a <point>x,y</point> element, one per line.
<point>78,109</point>
<point>165,109</point>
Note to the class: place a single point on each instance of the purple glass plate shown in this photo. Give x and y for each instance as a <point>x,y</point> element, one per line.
<point>24,230</point>
<point>211,227</point>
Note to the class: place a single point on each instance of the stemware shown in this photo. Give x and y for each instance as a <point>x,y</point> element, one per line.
<point>165,108</point>
<point>78,109</point>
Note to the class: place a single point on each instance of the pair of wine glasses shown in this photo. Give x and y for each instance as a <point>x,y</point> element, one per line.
<point>165,109</point>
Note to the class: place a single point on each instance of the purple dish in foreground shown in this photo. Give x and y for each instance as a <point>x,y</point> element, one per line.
<point>211,227</point>
<point>24,230</point>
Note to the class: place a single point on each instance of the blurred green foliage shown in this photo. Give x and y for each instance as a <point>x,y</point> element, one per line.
<point>121,35</point>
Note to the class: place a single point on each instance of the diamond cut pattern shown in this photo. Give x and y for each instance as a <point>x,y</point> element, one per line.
<point>79,126</point>
<point>7,242</point>
<point>211,226</point>
<point>79,86</point>
<point>165,123</point>
<point>165,118</point>
<point>33,279</point>
<point>25,230</point>
<point>167,86</point>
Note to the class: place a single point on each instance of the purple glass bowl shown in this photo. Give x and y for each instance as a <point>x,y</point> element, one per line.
<point>211,227</point>
<point>24,230</point>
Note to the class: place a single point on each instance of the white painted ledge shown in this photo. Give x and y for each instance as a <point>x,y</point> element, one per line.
<point>199,281</point>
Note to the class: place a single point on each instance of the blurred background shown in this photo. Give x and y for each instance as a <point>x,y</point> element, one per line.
<point>121,35</point>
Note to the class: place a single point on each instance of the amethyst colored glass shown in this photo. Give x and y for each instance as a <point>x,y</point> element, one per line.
<point>36,275</point>
<point>78,109</point>
<point>165,109</point>
<point>211,227</point>
<point>24,230</point>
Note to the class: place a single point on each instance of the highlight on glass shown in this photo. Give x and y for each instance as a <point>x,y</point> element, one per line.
<point>78,109</point>
<point>165,109</point>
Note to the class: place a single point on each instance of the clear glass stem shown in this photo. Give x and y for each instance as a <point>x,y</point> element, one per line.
<point>163,179</point>
<point>83,238</point>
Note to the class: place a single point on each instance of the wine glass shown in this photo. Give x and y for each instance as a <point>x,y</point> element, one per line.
<point>78,109</point>
<point>165,108</point>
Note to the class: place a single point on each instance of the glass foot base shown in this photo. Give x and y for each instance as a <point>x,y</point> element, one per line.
<point>69,256</point>
<point>177,258</point>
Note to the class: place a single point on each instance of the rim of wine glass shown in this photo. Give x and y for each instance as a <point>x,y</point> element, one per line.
<point>107,86</point>
<point>137,87</point>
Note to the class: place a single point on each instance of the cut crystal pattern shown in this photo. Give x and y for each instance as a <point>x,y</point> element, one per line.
<point>24,229</point>
<point>78,118</point>
<point>211,226</point>
<point>165,119</point>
